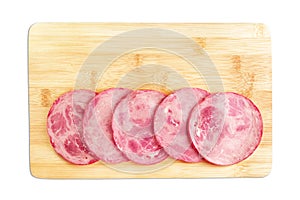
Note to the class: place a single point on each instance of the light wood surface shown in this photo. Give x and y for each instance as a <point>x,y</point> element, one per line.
<point>57,51</point>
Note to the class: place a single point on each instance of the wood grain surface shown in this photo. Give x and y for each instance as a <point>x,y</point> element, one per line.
<point>241,54</point>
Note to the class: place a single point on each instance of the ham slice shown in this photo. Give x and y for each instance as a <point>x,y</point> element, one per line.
<point>133,127</point>
<point>171,122</point>
<point>64,125</point>
<point>225,128</point>
<point>97,130</point>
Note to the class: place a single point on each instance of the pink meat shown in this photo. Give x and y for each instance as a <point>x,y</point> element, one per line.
<point>133,127</point>
<point>64,125</point>
<point>97,130</point>
<point>170,123</point>
<point>226,128</point>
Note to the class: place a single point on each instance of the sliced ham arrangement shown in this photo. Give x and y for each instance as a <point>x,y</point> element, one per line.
<point>146,126</point>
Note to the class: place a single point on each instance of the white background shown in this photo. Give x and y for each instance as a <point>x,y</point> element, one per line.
<point>16,17</point>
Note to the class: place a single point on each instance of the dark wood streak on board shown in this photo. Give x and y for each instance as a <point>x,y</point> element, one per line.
<point>245,79</point>
<point>45,97</point>
<point>201,41</point>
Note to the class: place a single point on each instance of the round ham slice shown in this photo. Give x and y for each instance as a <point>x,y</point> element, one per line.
<point>171,121</point>
<point>133,127</point>
<point>97,130</point>
<point>64,125</point>
<point>226,128</point>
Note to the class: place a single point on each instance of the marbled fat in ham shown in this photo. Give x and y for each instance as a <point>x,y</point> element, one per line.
<point>170,123</point>
<point>97,130</point>
<point>226,128</point>
<point>64,126</point>
<point>133,127</point>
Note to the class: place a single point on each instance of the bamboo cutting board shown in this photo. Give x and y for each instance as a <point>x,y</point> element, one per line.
<point>58,52</point>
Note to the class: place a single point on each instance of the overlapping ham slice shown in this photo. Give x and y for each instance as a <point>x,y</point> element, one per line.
<point>64,125</point>
<point>171,123</point>
<point>225,128</point>
<point>97,130</point>
<point>133,127</point>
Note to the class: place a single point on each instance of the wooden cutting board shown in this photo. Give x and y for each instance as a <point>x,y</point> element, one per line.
<point>241,54</point>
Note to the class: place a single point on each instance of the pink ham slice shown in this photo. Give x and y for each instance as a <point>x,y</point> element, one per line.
<point>97,130</point>
<point>170,123</point>
<point>133,127</point>
<point>226,128</point>
<point>64,124</point>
